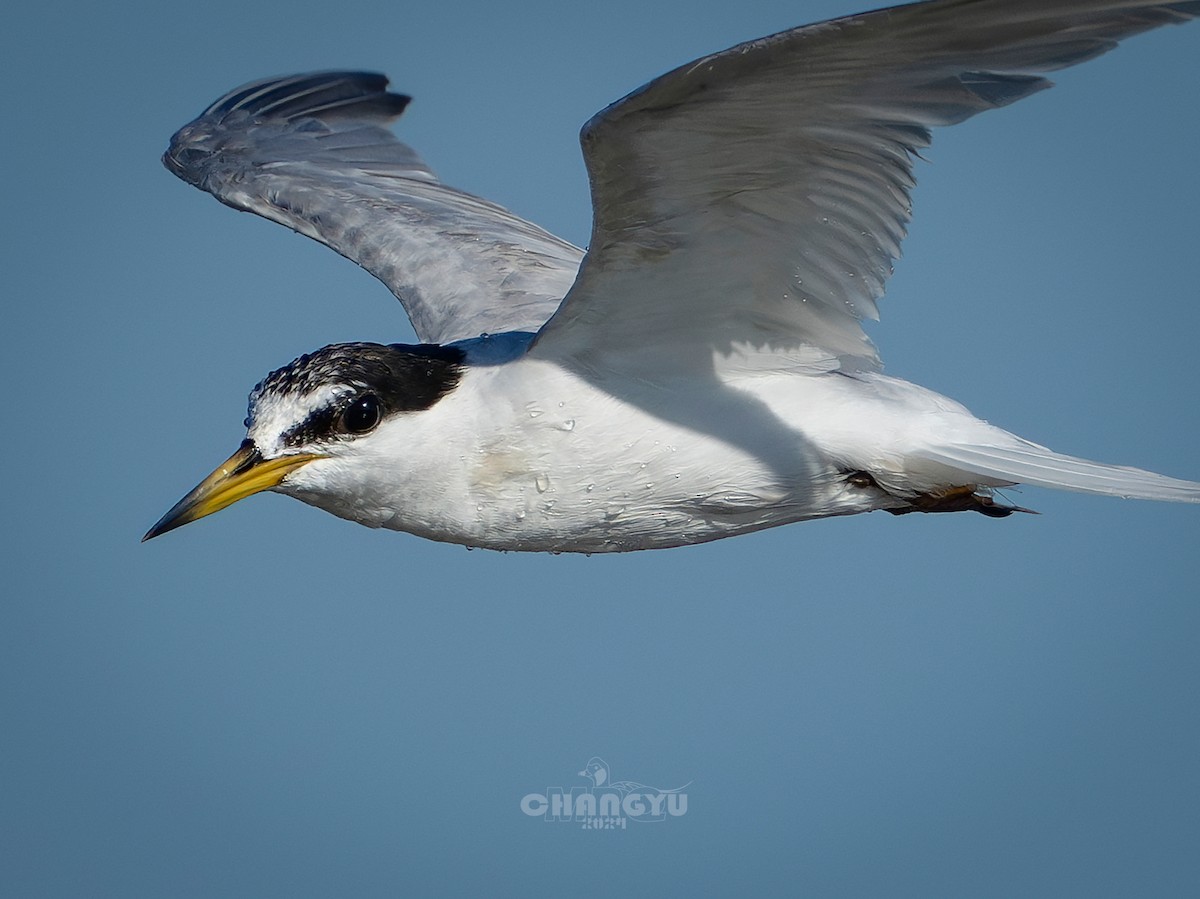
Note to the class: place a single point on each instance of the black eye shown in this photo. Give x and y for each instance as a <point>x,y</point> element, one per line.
<point>362,415</point>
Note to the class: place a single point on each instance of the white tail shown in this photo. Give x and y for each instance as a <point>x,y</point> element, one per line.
<point>1029,463</point>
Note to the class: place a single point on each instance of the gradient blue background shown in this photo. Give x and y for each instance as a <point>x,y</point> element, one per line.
<point>274,702</point>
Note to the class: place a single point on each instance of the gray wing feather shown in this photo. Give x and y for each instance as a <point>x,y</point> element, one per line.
<point>760,195</point>
<point>313,152</point>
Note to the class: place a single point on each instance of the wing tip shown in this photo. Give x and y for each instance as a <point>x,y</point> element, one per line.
<point>334,93</point>
<point>335,98</point>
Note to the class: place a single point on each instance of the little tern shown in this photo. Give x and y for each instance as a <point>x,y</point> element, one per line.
<point>701,370</point>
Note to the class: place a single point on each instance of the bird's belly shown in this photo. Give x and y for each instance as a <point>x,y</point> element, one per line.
<point>578,481</point>
<point>554,463</point>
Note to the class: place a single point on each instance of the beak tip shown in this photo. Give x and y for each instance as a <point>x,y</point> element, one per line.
<point>167,523</point>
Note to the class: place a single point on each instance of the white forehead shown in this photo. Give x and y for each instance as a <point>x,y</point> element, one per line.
<point>273,414</point>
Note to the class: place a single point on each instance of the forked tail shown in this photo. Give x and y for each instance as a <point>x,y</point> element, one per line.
<point>1028,463</point>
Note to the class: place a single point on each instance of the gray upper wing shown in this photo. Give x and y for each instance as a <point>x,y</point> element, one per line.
<point>759,196</point>
<point>313,152</point>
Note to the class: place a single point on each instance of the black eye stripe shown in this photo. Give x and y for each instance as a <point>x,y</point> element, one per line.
<point>345,417</point>
<point>320,424</point>
<point>401,378</point>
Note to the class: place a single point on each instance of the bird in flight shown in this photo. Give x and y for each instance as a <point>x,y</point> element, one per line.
<point>700,371</point>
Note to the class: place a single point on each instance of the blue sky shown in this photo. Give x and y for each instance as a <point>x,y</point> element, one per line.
<point>273,702</point>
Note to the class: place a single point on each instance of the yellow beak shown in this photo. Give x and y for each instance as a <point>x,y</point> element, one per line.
<point>241,475</point>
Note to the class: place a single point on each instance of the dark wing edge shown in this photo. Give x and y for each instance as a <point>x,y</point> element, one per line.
<point>313,152</point>
<point>319,95</point>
